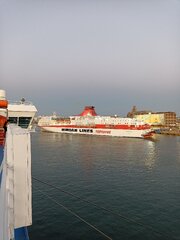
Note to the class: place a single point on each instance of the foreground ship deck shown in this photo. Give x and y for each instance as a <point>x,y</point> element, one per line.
<point>15,174</point>
<point>89,123</point>
<point>15,184</point>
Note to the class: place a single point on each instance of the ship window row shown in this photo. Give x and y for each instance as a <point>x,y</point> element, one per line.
<point>20,121</point>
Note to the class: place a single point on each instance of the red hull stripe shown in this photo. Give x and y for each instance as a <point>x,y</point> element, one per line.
<point>102,126</point>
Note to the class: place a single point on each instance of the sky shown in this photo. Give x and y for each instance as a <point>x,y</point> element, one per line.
<point>113,54</point>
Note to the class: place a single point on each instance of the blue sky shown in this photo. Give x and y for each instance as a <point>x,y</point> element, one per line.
<point>63,54</point>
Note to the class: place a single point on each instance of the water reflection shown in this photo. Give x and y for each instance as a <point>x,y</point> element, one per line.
<point>150,154</point>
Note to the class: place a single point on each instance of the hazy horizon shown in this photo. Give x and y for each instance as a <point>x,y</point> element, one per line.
<point>64,55</point>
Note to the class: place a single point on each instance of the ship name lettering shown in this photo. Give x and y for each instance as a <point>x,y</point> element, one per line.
<point>86,130</point>
<point>69,129</point>
<point>103,131</point>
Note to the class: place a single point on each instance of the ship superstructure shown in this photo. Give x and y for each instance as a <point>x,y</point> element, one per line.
<point>15,176</point>
<point>88,122</point>
<point>21,113</point>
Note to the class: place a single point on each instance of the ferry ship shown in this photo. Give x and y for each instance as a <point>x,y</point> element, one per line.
<point>88,122</point>
<point>15,169</point>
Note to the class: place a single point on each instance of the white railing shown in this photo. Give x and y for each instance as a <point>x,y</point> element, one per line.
<point>20,102</point>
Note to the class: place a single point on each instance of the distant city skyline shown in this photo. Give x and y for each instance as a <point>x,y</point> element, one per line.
<point>64,55</point>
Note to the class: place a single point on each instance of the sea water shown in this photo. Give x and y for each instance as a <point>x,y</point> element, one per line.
<point>134,184</point>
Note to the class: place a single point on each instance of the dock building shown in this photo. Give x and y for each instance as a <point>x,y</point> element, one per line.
<point>156,119</point>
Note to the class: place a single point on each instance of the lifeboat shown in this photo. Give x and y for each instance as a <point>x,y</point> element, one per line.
<point>3,103</point>
<point>3,109</point>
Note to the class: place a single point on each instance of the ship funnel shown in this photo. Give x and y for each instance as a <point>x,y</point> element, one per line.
<point>88,111</point>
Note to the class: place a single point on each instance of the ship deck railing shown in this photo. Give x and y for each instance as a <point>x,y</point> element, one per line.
<point>2,136</point>
<point>20,102</point>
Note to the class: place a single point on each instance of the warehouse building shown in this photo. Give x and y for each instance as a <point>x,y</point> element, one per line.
<point>156,119</point>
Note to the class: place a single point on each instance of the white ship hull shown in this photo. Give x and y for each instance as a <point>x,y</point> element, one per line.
<point>99,131</point>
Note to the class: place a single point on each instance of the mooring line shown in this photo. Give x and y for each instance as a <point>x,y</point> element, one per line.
<point>74,214</point>
<point>105,209</point>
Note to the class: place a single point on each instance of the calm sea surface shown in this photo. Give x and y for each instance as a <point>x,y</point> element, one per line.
<point>134,184</point>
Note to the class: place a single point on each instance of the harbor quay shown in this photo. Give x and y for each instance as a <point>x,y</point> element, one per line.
<point>170,131</point>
